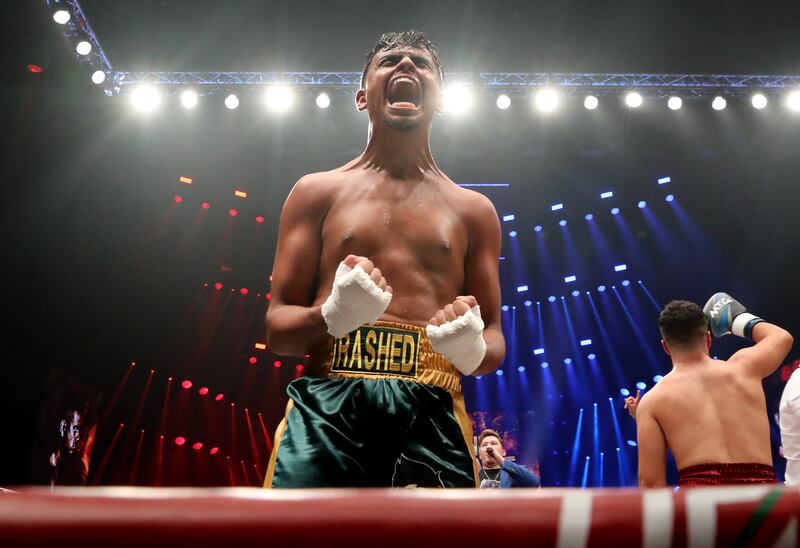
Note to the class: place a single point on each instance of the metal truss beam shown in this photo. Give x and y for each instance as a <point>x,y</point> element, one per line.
<point>516,83</point>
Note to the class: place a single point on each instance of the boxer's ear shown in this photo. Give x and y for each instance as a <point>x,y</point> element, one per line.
<point>665,347</point>
<point>361,100</point>
<point>708,340</point>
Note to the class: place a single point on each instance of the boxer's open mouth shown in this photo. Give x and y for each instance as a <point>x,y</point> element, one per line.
<point>403,92</point>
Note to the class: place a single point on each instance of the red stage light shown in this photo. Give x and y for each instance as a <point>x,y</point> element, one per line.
<point>244,291</point>
<point>187,384</point>
<point>214,451</point>
<point>178,199</point>
<point>253,359</point>
<point>218,397</point>
<point>268,296</point>
<point>233,212</point>
<point>197,446</point>
<point>35,69</point>
<point>218,286</point>
<point>205,205</point>
<point>299,367</point>
<point>259,219</point>
<point>277,363</point>
<point>203,391</point>
<point>180,440</point>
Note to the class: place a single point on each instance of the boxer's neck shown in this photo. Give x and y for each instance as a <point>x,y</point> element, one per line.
<point>685,361</point>
<point>401,154</point>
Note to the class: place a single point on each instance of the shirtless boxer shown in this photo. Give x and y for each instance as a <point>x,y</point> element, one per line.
<point>710,413</point>
<point>386,274</point>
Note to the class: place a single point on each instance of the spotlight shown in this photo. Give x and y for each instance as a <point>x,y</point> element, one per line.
<point>528,303</point>
<point>504,308</point>
<point>180,440</point>
<point>513,234</point>
<point>586,342</point>
<point>499,372</point>
<point>642,204</point>
<point>608,194</point>
<point>626,283</point>
<point>551,298</point>
<point>562,222</point>
<point>545,365</point>
<point>625,392</point>
<point>589,217</point>
<point>567,361</point>
<point>664,180</point>
<point>83,48</point>
<point>719,103</point>
<point>620,267</point>
<point>203,390</point>
<point>537,228</point>
<point>187,384</point>
<point>509,217</point>
<point>503,101</point>
<point>189,99</point>
<point>793,101</point>
<point>674,103</point>
<point>576,293</point>
<point>631,443</point>
<point>633,100</point>
<point>521,368</point>
<point>556,207</point>
<point>601,288</point>
<point>61,17</point>
<point>98,77</point>
<point>591,357</point>
<point>537,351</point>
<point>759,101</point>
<point>197,446</point>
<point>522,288</point>
<point>457,99</point>
<point>145,98</point>
<point>279,98</point>
<point>657,378</point>
<point>214,451</point>
<point>323,100</point>
<point>546,100</point>
<point>231,101</point>
<point>670,197</point>
<point>615,211</point>
<point>640,385</point>
<point>591,102</point>
<point>570,279</point>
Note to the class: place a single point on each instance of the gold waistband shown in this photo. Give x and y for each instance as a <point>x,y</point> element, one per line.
<point>389,350</point>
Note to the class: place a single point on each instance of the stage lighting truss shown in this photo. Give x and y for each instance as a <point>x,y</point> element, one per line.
<point>512,84</point>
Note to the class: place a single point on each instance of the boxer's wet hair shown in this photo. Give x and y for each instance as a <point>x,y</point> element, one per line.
<point>410,39</point>
<point>682,324</point>
<point>489,432</point>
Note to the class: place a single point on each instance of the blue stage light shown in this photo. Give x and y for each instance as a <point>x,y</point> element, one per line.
<point>508,217</point>
<point>545,365</point>
<point>591,357</point>
<point>521,368</point>
<point>556,207</point>
<point>499,372</point>
<point>569,279</point>
<point>562,222</point>
<point>522,288</point>
<point>589,217</point>
<point>537,351</point>
<point>640,385</point>
<point>605,195</point>
<point>664,180</point>
<point>657,378</point>
<point>642,204</point>
<point>625,392</point>
<point>567,361</point>
<point>670,198</point>
<point>504,308</point>
<point>537,228</point>
<point>528,303</point>
<point>513,233</point>
<point>626,283</point>
<point>632,443</point>
<point>576,293</point>
<point>615,211</point>
<point>620,267</point>
<point>601,288</point>
<point>551,298</point>
<point>586,342</point>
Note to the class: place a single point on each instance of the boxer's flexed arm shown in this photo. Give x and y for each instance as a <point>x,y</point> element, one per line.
<point>294,326</point>
<point>726,315</point>
<point>468,331</point>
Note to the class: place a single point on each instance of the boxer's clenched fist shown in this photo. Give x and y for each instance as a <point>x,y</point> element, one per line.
<point>360,295</point>
<point>457,332</point>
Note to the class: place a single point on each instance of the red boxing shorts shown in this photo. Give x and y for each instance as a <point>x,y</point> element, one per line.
<point>727,473</point>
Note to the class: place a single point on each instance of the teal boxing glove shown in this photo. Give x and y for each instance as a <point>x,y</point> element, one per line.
<point>727,315</point>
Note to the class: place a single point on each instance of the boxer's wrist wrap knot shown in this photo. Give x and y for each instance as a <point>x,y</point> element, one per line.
<point>354,301</point>
<point>460,340</point>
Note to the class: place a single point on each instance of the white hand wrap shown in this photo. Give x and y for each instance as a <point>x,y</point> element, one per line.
<point>354,301</point>
<point>460,340</point>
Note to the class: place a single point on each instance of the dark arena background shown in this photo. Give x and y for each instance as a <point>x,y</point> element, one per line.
<point>139,234</point>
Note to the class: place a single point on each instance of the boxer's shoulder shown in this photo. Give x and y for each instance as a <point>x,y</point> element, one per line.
<point>315,190</point>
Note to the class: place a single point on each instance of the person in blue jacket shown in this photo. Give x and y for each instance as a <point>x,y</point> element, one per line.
<point>498,472</point>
